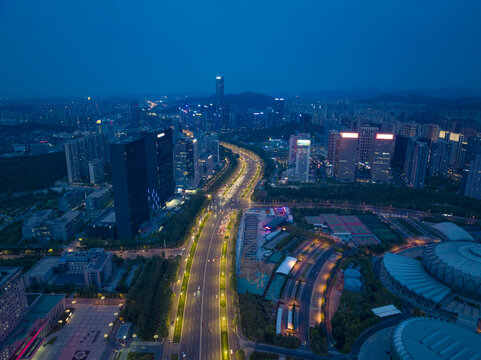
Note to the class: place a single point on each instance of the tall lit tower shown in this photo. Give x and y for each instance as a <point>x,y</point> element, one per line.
<point>345,167</point>
<point>381,157</point>
<point>219,90</point>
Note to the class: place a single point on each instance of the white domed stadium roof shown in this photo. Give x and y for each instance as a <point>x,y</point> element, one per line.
<point>452,231</point>
<point>456,264</point>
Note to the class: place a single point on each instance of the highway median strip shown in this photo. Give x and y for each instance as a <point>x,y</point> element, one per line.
<point>252,181</point>
<point>185,282</point>
<point>236,178</point>
<point>223,295</point>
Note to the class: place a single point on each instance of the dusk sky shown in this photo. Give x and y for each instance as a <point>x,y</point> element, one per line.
<point>119,47</point>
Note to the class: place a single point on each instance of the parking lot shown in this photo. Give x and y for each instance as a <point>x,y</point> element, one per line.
<point>83,335</point>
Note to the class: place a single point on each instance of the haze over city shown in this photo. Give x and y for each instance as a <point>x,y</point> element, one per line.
<point>110,48</point>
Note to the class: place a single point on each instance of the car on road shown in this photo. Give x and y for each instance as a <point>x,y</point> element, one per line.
<point>170,341</point>
<point>184,355</point>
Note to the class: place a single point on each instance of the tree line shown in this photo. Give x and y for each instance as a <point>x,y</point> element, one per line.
<point>149,300</point>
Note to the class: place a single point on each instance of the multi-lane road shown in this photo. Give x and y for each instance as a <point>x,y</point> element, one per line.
<point>201,328</point>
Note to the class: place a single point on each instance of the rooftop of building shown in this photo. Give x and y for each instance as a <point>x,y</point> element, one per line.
<point>452,231</point>
<point>7,272</point>
<point>43,265</point>
<point>287,265</point>
<point>98,193</point>
<point>463,256</point>
<point>424,338</point>
<point>39,309</point>
<point>95,257</point>
<point>69,215</point>
<point>40,215</point>
<point>411,274</point>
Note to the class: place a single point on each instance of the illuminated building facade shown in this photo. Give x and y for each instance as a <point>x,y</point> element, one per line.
<point>160,166</point>
<point>345,162</point>
<point>381,158</point>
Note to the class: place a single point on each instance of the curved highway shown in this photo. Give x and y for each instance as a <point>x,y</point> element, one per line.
<point>201,332</point>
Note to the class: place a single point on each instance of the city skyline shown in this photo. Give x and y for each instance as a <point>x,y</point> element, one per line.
<point>252,180</point>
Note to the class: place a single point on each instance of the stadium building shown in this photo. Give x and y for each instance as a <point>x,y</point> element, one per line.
<point>456,264</point>
<point>424,338</point>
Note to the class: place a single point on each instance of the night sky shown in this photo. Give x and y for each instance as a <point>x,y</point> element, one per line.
<point>121,47</point>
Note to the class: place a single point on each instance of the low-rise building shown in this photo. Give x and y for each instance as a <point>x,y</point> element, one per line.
<point>83,268</point>
<point>98,199</point>
<point>72,200</point>
<point>35,228</point>
<point>104,227</point>
<point>42,226</point>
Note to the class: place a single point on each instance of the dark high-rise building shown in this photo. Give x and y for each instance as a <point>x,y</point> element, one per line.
<point>417,156</point>
<point>219,90</point>
<point>160,166</point>
<point>305,122</point>
<point>439,158</point>
<point>134,114</point>
<point>472,186</point>
<point>342,154</point>
<point>278,111</point>
<point>129,179</point>
<point>473,148</point>
<point>400,149</point>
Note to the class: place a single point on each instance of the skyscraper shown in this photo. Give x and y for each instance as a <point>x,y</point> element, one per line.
<point>13,300</point>
<point>416,163</point>
<point>409,129</point>
<point>303,157</point>
<point>160,166</point>
<point>332,145</point>
<point>366,144</point>
<point>79,152</point>
<point>299,157</point>
<point>456,141</point>
<point>431,132</point>
<point>381,158</point>
<point>345,162</point>
<point>400,150</point>
<point>278,111</point>
<point>186,158</point>
<point>473,181</point>
<point>129,179</point>
<point>213,147</point>
<point>439,158</point>
<point>291,161</point>
<point>96,171</point>
<point>219,90</point>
